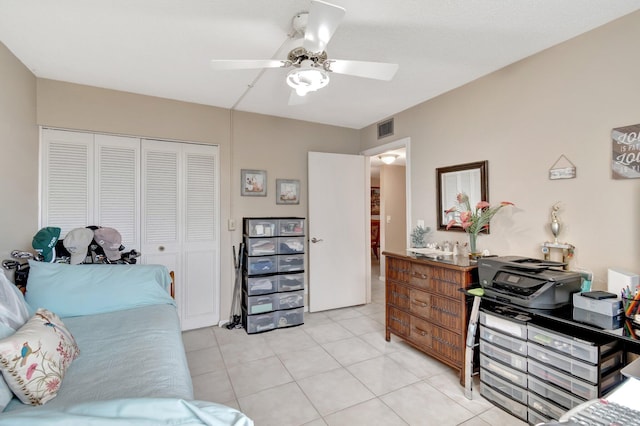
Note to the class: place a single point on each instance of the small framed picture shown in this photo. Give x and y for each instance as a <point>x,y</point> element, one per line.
<point>287,191</point>
<point>253,183</point>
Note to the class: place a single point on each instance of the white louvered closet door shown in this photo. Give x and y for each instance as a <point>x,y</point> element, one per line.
<point>91,179</point>
<point>66,180</point>
<point>117,189</point>
<point>179,224</point>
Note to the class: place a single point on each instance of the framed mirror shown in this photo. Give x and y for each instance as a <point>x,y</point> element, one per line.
<point>469,178</point>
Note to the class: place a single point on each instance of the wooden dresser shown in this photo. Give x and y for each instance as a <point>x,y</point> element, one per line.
<point>426,307</point>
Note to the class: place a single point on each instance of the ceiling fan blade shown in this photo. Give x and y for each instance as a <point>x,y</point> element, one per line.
<point>323,21</point>
<point>246,64</point>
<point>376,70</point>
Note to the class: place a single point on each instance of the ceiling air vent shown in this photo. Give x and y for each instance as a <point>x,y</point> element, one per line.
<point>385,128</point>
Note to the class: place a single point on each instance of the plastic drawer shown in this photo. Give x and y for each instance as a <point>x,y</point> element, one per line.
<point>558,396</point>
<point>261,285</point>
<point>570,365</point>
<point>259,323</point>
<point>262,265</point>
<point>262,304</point>
<point>573,366</point>
<point>517,377</point>
<point>291,226</point>
<point>291,263</point>
<point>504,325</point>
<point>260,227</point>
<point>512,391</point>
<point>290,245</point>
<point>547,408</point>
<point>513,407</point>
<point>292,299</point>
<point>587,351</point>
<point>290,317</point>
<point>290,282</point>
<point>536,418</point>
<point>504,356</point>
<point>510,343</point>
<point>576,386</point>
<point>261,246</point>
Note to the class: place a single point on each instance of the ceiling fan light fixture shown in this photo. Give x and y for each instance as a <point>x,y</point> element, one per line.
<point>388,158</point>
<point>307,79</point>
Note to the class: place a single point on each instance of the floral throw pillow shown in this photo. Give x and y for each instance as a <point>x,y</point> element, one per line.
<point>34,359</point>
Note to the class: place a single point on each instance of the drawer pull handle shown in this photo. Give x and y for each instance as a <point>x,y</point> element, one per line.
<point>421,276</point>
<point>443,310</point>
<point>421,332</point>
<point>420,303</point>
<point>399,295</point>
<point>396,319</point>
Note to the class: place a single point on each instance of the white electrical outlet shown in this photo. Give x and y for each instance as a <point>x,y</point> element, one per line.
<point>232,225</point>
<point>420,223</point>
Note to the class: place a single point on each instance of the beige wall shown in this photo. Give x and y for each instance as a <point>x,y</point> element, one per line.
<point>522,119</point>
<point>246,140</point>
<point>19,142</point>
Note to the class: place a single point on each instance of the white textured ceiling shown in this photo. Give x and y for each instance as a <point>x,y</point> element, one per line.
<point>163,47</point>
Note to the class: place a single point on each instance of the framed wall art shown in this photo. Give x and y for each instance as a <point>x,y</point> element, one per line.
<point>253,183</point>
<point>287,191</point>
<point>375,201</point>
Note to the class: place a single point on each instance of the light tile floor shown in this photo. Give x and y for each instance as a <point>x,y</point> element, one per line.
<point>336,369</point>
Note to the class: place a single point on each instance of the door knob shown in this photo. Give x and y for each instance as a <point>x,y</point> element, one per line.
<point>316,240</point>
<point>161,248</point>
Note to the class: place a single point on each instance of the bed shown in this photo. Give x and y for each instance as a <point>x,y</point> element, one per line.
<point>130,368</point>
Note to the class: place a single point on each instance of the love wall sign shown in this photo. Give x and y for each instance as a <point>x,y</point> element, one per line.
<point>625,156</point>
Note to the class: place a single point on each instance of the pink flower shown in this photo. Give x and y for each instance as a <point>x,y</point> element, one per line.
<point>30,370</point>
<point>477,220</point>
<point>53,384</point>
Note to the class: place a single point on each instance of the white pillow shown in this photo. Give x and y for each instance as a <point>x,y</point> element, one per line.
<point>5,393</point>
<point>13,310</point>
<point>34,360</point>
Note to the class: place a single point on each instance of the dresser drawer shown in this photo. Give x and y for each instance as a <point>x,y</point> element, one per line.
<point>398,321</point>
<point>398,270</point>
<point>447,312</point>
<point>421,332</point>
<point>446,288</point>
<point>448,344</point>
<point>420,303</point>
<point>398,295</point>
<point>421,276</point>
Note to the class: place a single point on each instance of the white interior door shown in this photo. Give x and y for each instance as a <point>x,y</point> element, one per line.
<point>337,213</point>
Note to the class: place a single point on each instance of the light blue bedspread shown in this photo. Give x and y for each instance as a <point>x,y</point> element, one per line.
<point>130,412</point>
<point>141,347</point>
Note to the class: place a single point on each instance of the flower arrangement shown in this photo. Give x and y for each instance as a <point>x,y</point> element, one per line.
<point>474,221</point>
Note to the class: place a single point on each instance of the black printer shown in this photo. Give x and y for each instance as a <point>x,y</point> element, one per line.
<point>526,282</point>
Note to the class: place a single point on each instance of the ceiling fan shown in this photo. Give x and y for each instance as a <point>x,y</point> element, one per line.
<point>310,63</point>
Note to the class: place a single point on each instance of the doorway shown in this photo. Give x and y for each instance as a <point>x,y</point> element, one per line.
<point>391,182</point>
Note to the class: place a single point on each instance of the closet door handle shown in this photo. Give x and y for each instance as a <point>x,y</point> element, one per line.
<point>316,240</point>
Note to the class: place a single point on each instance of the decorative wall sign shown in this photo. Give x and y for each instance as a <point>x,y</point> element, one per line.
<point>625,153</point>
<point>562,169</point>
